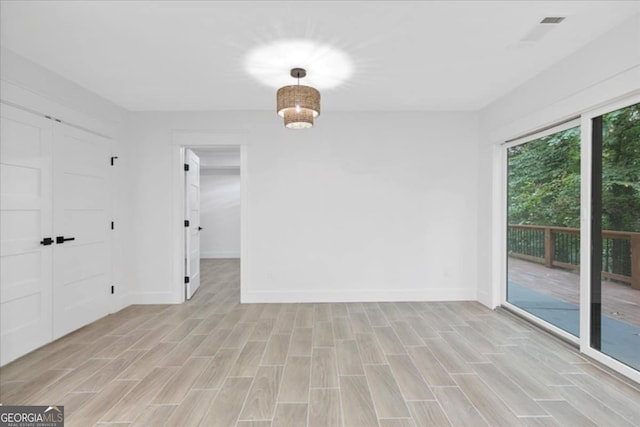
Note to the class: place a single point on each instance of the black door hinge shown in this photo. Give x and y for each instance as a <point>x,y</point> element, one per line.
<point>112,159</point>
<point>186,167</point>
<point>113,289</point>
<point>186,222</point>
<point>186,279</point>
<point>112,225</point>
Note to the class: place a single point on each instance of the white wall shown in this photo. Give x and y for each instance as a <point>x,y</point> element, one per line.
<point>364,206</point>
<point>31,86</point>
<point>606,69</point>
<point>220,213</point>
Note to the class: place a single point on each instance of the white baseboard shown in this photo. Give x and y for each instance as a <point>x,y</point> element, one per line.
<point>219,254</point>
<point>122,301</point>
<point>485,299</point>
<point>442,294</point>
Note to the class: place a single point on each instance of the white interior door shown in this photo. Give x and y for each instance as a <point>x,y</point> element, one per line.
<point>25,220</point>
<point>192,214</point>
<point>82,224</point>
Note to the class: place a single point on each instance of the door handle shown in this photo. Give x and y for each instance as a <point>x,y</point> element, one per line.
<point>62,239</point>
<point>46,241</point>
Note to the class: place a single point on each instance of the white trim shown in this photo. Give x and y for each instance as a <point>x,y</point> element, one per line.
<point>244,221</point>
<point>542,323</point>
<point>177,204</point>
<point>21,97</point>
<point>585,233</point>
<point>195,139</point>
<point>201,138</point>
<point>612,363</point>
<point>346,295</point>
<point>499,220</point>
<point>617,104</point>
<point>613,88</point>
<point>563,125</point>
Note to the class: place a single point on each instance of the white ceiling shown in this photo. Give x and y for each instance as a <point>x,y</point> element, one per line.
<point>428,55</point>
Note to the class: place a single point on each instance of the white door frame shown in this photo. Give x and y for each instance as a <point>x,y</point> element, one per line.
<point>566,123</point>
<point>181,139</point>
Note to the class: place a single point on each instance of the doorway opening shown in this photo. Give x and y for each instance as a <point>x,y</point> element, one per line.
<point>212,211</point>
<point>209,189</point>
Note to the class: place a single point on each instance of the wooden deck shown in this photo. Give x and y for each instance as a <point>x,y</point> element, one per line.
<point>618,301</point>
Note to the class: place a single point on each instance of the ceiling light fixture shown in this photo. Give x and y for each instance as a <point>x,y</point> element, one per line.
<point>298,104</point>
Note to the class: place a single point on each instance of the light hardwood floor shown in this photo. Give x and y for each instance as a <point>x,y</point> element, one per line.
<point>215,362</point>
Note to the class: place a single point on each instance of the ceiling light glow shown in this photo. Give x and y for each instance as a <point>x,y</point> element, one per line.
<point>327,66</point>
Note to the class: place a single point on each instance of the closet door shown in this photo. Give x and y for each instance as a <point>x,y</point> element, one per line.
<point>82,224</point>
<point>25,222</point>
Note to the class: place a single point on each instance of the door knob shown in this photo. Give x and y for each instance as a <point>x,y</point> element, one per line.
<point>199,228</point>
<point>62,239</point>
<point>46,241</point>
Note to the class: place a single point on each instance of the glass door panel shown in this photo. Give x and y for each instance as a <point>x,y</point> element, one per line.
<point>615,278</point>
<point>543,228</point>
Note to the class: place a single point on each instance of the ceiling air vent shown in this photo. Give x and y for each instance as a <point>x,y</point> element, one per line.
<point>539,31</point>
<point>552,20</point>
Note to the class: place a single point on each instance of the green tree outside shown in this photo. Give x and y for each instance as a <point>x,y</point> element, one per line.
<point>544,176</point>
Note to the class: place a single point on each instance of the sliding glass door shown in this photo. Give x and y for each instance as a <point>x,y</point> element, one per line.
<point>543,227</point>
<point>615,230</point>
<point>573,232</point>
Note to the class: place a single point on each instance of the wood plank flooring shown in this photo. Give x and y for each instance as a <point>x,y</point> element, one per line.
<point>215,362</point>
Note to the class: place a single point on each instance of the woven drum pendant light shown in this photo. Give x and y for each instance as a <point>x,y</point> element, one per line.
<point>298,104</point>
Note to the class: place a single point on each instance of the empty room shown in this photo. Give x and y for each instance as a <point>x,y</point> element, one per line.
<point>320,213</point>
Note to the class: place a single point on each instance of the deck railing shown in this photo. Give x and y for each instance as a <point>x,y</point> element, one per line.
<point>560,247</point>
